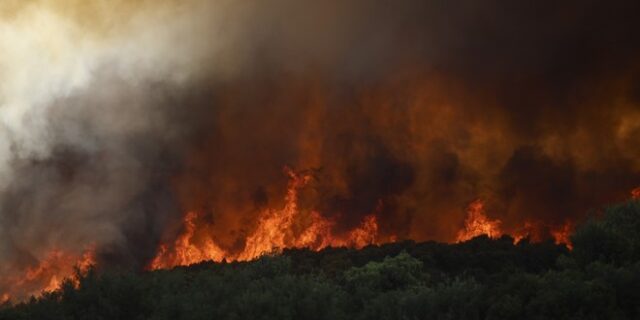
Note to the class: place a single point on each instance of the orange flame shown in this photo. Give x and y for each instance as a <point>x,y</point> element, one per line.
<point>477,223</point>
<point>561,235</point>
<point>185,250</point>
<point>365,234</point>
<point>47,275</point>
<point>635,193</point>
<point>528,230</point>
<point>277,229</point>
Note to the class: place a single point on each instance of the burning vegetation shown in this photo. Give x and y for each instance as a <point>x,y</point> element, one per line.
<point>46,275</point>
<point>277,229</point>
<point>477,224</point>
<point>635,193</point>
<point>158,131</point>
<point>480,278</point>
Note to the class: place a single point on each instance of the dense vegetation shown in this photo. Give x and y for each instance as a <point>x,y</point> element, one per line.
<point>478,279</point>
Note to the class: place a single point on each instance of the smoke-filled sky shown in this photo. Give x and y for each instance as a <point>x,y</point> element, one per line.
<point>117,117</point>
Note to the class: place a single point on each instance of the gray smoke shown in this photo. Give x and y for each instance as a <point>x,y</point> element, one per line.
<point>118,117</point>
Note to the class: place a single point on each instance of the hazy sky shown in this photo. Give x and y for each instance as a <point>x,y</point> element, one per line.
<point>117,117</point>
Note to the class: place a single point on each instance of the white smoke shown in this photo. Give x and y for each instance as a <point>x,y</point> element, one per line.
<point>88,83</point>
<point>48,55</point>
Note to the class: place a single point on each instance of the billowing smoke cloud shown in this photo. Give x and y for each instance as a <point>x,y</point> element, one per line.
<point>118,117</point>
<point>88,140</point>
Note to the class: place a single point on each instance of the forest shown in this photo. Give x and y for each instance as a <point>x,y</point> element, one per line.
<point>483,278</point>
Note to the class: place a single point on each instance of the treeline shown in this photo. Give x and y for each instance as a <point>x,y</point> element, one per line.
<point>478,279</point>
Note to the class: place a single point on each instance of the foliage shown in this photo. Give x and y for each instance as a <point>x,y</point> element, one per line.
<point>479,279</point>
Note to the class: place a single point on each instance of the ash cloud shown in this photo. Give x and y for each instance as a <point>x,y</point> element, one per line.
<point>117,120</point>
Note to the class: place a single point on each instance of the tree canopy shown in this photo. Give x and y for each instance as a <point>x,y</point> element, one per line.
<point>481,278</point>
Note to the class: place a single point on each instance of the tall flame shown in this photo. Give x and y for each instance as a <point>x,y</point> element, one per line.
<point>562,234</point>
<point>635,193</point>
<point>275,230</point>
<point>185,250</point>
<point>477,223</point>
<point>288,227</point>
<point>47,275</point>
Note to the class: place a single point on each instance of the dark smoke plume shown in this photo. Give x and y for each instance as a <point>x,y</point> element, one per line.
<point>131,116</point>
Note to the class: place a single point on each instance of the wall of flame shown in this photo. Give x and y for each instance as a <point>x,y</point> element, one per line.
<point>158,133</point>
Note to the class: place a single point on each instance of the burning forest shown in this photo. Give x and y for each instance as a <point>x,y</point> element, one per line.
<point>146,135</point>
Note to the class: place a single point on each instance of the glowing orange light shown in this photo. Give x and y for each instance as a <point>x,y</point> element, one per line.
<point>47,275</point>
<point>277,229</point>
<point>561,235</point>
<point>635,193</point>
<point>477,223</point>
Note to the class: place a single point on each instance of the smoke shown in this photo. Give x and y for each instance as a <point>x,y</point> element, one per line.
<point>118,117</point>
<point>85,102</point>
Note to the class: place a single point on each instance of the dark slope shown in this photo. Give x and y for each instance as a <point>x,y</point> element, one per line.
<point>478,279</point>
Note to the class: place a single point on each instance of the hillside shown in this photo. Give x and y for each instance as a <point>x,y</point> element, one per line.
<point>481,278</point>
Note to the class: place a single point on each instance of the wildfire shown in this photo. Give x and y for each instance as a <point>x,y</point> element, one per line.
<point>528,230</point>
<point>477,223</point>
<point>635,193</point>
<point>562,235</point>
<point>288,227</point>
<point>185,250</point>
<point>275,228</point>
<point>47,275</point>
<point>364,235</point>
<point>291,227</point>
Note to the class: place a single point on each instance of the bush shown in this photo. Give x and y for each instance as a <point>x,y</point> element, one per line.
<point>613,239</point>
<point>479,279</point>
